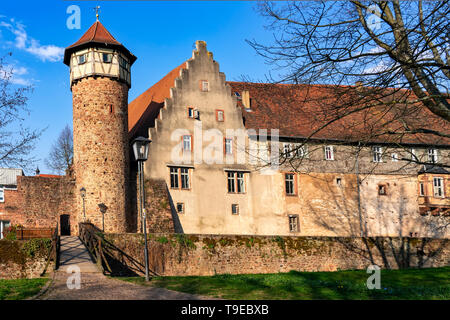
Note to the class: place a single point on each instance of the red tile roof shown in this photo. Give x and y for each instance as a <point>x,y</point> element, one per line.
<point>49,176</point>
<point>145,108</point>
<point>96,34</point>
<point>301,110</point>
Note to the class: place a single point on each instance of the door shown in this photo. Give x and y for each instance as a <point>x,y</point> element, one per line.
<point>65,224</point>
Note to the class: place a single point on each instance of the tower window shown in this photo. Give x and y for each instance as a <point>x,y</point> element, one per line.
<point>123,63</point>
<point>382,190</point>
<point>234,208</point>
<point>339,181</point>
<point>107,57</point>
<point>82,58</point>
<point>293,223</point>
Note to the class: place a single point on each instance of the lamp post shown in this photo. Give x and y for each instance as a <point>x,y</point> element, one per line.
<point>83,196</point>
<point>140,149</point>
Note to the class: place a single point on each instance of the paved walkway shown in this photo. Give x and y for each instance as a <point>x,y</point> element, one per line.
<point>94,285</point>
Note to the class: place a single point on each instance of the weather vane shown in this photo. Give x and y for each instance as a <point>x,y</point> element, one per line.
<point>97,9</point>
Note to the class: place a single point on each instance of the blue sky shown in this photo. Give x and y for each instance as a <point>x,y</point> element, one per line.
<point>160,33</point>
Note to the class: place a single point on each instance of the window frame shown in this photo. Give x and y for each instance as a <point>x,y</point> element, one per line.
<point>190,143</point>
<point>234,177</point>
<point>2,192</point>
<point>441,187</point>
<point>225,146</point>
<point>179,177</point>
<point>296,219</point>
<point>434,155</point>
<point>294,184</point>
<point>189,109</point>
<point>79,57</point>
<point>331,148</point>
<point>377,153</point>
<point>182,206</point>
<point>381,187</point>
<point>217,115</point>
<point>422,189</point>
<point>235,205</point>
<point>202,85</point>
<point>107,54</point>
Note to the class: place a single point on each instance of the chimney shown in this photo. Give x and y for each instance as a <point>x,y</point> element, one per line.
<point>246,99</point>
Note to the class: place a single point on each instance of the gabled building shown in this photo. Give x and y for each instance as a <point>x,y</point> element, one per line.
<point>343,179</point>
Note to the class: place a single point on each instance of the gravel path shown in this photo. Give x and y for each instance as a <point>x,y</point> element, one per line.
<point>96,286</point>
<point>93,285</point>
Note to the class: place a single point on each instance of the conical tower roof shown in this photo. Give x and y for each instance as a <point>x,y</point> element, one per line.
<point>97,35</point>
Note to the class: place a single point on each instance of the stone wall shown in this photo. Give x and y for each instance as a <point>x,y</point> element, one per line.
<point>23,259</point>
<point>183,255</point>
<point>38,202</point>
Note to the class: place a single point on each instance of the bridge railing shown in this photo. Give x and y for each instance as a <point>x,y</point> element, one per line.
<point>53,252</point>
<point>94,242</point>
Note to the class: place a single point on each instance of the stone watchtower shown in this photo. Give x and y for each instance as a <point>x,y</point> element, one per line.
<point>99,81</point>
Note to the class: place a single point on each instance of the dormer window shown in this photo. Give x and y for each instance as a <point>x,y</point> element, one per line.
<point>432,155</point>
<point>107,57</point>
<point>204,85</point>
<point>82,58</point>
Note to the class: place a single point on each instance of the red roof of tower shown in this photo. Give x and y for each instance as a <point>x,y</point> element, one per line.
<point>97,34</point>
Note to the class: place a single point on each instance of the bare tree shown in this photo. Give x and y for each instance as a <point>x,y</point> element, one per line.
<point>397,52</point>
<point>61,154</point>
<point>16,141</point>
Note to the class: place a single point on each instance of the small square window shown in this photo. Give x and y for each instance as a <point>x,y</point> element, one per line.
<point>234,208</point>
<point>82,58</point>
<point>382,190</point>
<point>289,179</point>
<point>220,115</point>
<point>107,57</point>
<point>339,181</point>
<point>377,154</point>
<point>204,85</point>
<point>432,155</point>
<point>180,207</point>
<point>191,112</point>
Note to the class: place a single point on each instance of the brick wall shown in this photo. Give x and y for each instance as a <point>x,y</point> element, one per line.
<point>38,202</point>
<point>182,255</point>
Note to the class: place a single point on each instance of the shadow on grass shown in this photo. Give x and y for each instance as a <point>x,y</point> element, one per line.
<point>343,285</point>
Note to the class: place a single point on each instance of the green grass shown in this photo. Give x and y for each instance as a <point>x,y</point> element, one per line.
<point>433,283</point>
<point>19,289</point>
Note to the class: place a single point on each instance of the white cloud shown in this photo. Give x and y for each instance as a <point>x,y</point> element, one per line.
<point>23,41</point>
